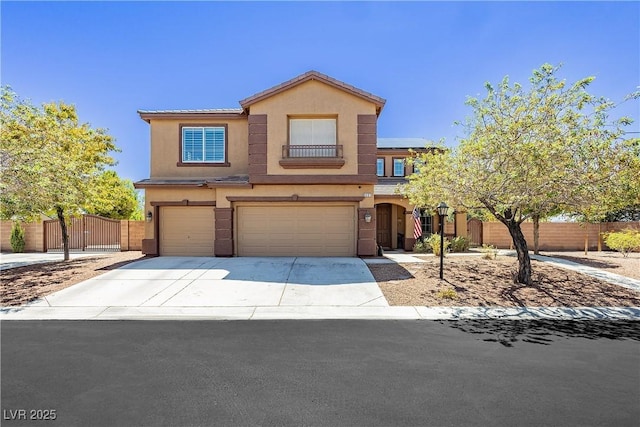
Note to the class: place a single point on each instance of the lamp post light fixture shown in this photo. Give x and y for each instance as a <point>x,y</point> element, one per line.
<point>442,211</point>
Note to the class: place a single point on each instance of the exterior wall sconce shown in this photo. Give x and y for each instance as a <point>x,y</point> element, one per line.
<point>149,216</point>
<point>367,217</point>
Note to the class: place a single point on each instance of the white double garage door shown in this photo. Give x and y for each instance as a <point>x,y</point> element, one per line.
<point>287,230</point>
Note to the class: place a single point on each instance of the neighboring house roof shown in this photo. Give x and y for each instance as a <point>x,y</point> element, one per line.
<point>202,113</point>
<point>220,181</point>
<point>404,143</point>
<point>388,186</point>
<point>314,75</point>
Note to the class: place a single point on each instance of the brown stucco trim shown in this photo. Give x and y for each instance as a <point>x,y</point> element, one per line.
<point>186,115</point>
<point>226,163</point>
<point>149,247</point>
<point>223,232</point>
<point>257,145</point>
<point>311,163</point>
<point>294,198</point>
<point>183,203</point>
<point>366,233</point>
<point>152,246</point>
<point>366,138</point>
<point>314,75</point>
<point>313,179</point>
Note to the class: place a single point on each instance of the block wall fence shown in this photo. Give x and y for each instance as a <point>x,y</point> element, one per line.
<point>555,236</point>
<point>131,235</point>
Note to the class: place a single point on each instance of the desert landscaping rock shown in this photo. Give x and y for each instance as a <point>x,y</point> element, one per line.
<point>475,282</point>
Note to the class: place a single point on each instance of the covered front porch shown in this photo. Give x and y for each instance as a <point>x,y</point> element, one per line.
<point>395,224</point>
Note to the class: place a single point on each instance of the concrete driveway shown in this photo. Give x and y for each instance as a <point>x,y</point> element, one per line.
<point>227,282</point>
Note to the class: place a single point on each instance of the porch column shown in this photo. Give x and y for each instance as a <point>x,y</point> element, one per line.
<point>409,240</point>
<point>394,227</point>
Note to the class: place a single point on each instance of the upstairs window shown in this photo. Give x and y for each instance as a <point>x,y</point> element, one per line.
<point>203,144</point>
<point>312,138</point>
<point>380,167</point>
<point>398,167</point>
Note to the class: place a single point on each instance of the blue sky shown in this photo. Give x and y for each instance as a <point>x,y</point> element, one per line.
<point>111,59</point>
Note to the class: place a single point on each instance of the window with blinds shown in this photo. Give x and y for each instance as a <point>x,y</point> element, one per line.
<point>203,144</point>
<point>312,138</point>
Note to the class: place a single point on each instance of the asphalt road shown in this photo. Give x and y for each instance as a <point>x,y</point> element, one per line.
<point>325,373</point>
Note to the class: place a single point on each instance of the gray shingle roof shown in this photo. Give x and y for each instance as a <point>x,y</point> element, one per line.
<point>387,186</point>
<point>404,143</point>
<point>202,111</point>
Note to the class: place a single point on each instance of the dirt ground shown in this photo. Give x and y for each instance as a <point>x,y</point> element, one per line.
<point>21,285</point>
<point>474,281</point>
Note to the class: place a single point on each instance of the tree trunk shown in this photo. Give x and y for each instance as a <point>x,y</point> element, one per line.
<point>65,235</point>
<point>524,262</point>
<point>536,234</point>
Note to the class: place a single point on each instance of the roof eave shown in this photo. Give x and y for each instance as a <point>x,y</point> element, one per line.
<point>147,116</point>
<point>314,75</point>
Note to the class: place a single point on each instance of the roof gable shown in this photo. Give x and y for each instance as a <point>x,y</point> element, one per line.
<point>314,75</point>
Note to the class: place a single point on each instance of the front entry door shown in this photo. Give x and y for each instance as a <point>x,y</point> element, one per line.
<point>383,225</point>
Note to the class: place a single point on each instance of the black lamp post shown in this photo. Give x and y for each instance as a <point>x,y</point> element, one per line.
<point>442,211</point>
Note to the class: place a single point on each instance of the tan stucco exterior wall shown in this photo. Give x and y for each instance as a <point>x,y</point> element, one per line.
<point>173,195</point>
<point>165,149</point>
<point>341,190</point>
<point>312,99</point>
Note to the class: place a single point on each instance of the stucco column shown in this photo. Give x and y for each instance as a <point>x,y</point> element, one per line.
<point>367,233</point>
<point>394,227</point>
<point>409,240</point>
<point>224,232</point>
<point>461,224</point>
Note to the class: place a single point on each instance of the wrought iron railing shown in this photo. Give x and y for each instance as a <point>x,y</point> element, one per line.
<point>297,151</point>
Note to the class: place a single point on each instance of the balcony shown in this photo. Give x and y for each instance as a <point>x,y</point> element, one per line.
<point>312,157</point>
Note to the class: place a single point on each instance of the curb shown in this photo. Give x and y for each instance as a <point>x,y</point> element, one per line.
<point>320,313</point>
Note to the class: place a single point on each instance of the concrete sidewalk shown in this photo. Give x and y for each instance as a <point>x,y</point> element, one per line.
<point>13,260</point>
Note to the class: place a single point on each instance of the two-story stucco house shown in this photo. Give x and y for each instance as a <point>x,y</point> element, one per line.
<point>296,171</point>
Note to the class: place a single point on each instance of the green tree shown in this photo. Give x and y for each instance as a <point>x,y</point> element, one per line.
<point>113,197</point>
<point>48,159</point>
<point>529,154</point>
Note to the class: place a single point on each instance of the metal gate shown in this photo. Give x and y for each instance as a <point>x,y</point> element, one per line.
<point>86,233</point>
<point>474,231</point>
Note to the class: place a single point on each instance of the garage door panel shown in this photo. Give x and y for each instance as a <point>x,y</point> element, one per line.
<point>296,231</point>
<point>187,230</point>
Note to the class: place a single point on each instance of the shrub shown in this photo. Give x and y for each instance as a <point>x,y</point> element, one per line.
<point>17,238</point>
<point>434,243</point>
<point>447,294</point>
<point>421,247</point>
<point>460,244</point>
<point>488,251</point>
<point>624,241</point>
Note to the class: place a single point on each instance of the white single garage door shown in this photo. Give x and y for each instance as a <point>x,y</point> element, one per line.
<point>296,231</point>
<point>187,230</point>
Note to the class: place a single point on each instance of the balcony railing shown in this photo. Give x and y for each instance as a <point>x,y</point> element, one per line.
<point>310,151</point>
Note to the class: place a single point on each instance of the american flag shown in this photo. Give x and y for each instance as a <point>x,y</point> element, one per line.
<point>417,224</point>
